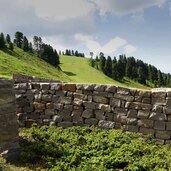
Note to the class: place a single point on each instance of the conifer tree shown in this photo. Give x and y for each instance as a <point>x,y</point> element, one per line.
<point>25,44</point>
<point>18,39</point>
<point>2,41</point>
<point>8,39</point>
<point>108,67</point>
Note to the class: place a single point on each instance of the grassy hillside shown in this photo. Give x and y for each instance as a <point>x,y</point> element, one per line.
<point>79,70</point>
<point>18,61</point>
<point>74,69</point>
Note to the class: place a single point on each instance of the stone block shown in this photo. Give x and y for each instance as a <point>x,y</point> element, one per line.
<point>91,121</point>
<point>45,86</point>
<point>115,102</point>
<point>122,90</point>
<point>57,118</point>
<point>158,116</point>
<point>56,86</point>
<point>143,93</point>
<point>146,131</point>
<point>133,105</point>
<point>146,100</point>
<point>88,87</point>
<point>168,102</point>
<point>159,98</point>
<point>77,102</point>
<point>65,124</point>
<point>59,93</point>
<point>88,113</point>
<point>47,97</point>
<point>88,92</point>
<point>120,111</point>
<point>104,108</point>
<point>143,114</point>
<point>168,126</point>
<point>163,135</point>
<point>77,120</point>
<point>49,112</point>
<point>89,105</point>
<point>99,87</point>
<point>109,116</point>
<point>100,99</point>
<point>106,124</point>
<point>65,100</point>
<point>127,98</point>
<point>157,109</point>
<point>146,107</point>
<point>145,123</point>
<point>132,121</point>
<point>49,106</point>
<point>99,115</point>
<point>110,88</point>
<point>69,87</point>
<point>132,128</point>
<point>80,96</point>
<point>39,106</point>
<point>132,113</point>
<point>159,125</point>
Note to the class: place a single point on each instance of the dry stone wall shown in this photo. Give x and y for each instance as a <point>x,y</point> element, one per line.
<point>105,106</point>
<point>9,146</point>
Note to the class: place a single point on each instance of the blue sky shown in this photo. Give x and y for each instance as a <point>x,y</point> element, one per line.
<point>139,28</point>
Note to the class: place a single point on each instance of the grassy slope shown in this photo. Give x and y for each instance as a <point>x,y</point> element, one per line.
<point>22,62</point>
<point>79,70</point>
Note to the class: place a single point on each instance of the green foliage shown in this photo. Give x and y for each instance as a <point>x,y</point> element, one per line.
<point>18,39</point>
<point>2,41</point>
<point>89,149</point>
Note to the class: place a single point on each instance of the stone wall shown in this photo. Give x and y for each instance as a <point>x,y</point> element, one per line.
<point>106,106</point>
<point>9,146</point>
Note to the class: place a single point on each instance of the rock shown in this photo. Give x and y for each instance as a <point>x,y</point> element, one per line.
<point>65,124</point>
<point>120,111</point>
<point>52,123</point>
<point>49,112</point>
<point>35,86</point>
<point>132,121</point>
<point>55,86</point>
<point>88,113</point>
<point>39,106</point>
<point>65,100</point>
<point>89,105</point>
<point>159,98</point>
<point>115,102</point>
<point>158,116</point>
<point>47,97</point>
<point>157,109</point>
<point>88,87</point>
<point>146,131</point>
<point>106,124</point>
<point>160,125</point>
<point>146,107</point>
<point>124,91</point>
<point>91,121</point>
<point>110,88</point>
<point>100,99</point>
<point>132,128</point>
<point>99,115</point>
<point>77,102</point>
<point>99,87</point>
<point>124,97</point>
<point>133,105</point>
<point>168,126</point>
<point>69,87</point>
<point>145,123</point>
<point>49,106</point>
<point>163,135</point>
<point>60,93</point>
<point>143,114</point>
<point>45,86</point>
<point>57,118</point>
<point>143,93</point>
<point>132,113</point>
<point>146,100</point>
<point>104,108</point>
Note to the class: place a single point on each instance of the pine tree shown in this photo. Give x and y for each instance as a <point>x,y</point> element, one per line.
<point>30,47</point>
<point>108,67</point>
<point>160,80</point>
<point>11,46</point>
<point>25,44</point>
<point>18,39</point>
<point>141,75</point>
<point>114,69</point>
<point>8,39</point>
<point>2,41</point>
<point>102,62</point>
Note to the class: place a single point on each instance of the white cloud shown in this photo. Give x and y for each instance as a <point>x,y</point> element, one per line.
<point>129,49</point>
<point>93,45</point>
<point>124,7</point>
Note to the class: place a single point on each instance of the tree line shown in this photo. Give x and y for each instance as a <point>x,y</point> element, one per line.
<point>131,68</point>
<point>69,52</point>
<point>44,51</point>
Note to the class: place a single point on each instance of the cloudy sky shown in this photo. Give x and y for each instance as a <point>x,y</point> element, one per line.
<point>139,28</point>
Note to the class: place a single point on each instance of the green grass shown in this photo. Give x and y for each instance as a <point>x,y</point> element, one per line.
<point>74,69</point>
<point>79,70</point>
<point>88,149</point>
<point>18,61</point>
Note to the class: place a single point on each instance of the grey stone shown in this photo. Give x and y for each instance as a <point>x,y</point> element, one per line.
<point>88,113</point>
<point>99,87</point>
<point>65,100</point>
<point>146,131</point>
<point>55,86</point>
<point>99,115</point>
<point>120,111</point>
<point>47,97</point>
<point>52,123</point>
<point>88,87</point>
<point>143,93</point>
<point>65,124</point>
<point>106,124</point>
<point>115,102</point>
<point>91,121</point>
<point>68,107</point>
<point>60,93</point>
<point>159,125</point>
<point>133,105</point>
<point>132,128</point>
<point>110,88</point>
<point>168,126</point>
<point>104,108</point>
<point>159,98</point>
<point>89,105</point>
<point>132,121</point>
<point>45,86</point>
<point>163,135</point>
<point>146,100</point>
<point>143,114</point>
<point>158,116</point>
<point>77,102</point>
<point>121,90</point>
<point>49,112</point>
<point>132,113</point>
<point>145,123</point>
<point>100,99</point>
<point>128,98</point>
<point>146,107</point>
<point>36,86</point>
<point>57,118</point>
<point>157,109</point>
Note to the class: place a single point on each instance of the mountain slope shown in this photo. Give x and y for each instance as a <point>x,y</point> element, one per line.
<point>79,70</point>
<point>18,61</point>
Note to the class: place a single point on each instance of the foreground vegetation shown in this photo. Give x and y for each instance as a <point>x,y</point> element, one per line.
<point>88,149</point>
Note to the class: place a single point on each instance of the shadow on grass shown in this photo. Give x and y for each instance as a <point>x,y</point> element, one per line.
<point>69,73</point>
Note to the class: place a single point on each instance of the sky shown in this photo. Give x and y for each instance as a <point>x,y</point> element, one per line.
<point>139,28</point>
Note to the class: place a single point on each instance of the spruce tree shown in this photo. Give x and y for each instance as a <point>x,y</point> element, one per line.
<point>11,46</point>
<point>108,67</point>
<point>25,44</point>
<point>114,69</point>
<point>2,41</point>
<point>18,39</point>
<point>8,39</point>
<point>102,62</point>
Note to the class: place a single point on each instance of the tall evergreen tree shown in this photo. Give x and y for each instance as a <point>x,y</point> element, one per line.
<point>114,69</point>
<point>11,46</point>
<point>141,75</point>
<point>102,62</point>
<point>18,39</point>
<point>108,66</point>
<point>2,41</point>
<point>25,44</point>
<point>160,80</point>
<point>8,39</point>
